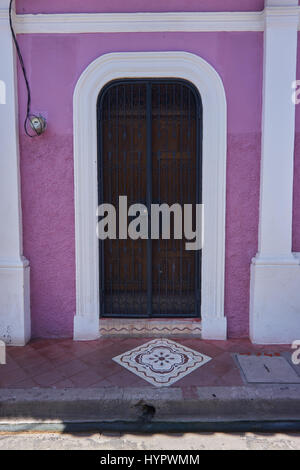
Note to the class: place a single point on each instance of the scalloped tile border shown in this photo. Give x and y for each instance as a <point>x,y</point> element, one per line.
<point>153,328</point>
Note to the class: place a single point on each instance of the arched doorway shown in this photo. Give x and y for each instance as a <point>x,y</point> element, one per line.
<point>149,150</point>
<point>137,65</point>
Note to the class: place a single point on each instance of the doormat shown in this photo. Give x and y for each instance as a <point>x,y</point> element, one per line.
<point>266,369</point>
<point>161,361</point>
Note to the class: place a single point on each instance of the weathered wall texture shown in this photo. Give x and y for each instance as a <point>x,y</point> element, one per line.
<point>54,64</point>
<point>296,200</point>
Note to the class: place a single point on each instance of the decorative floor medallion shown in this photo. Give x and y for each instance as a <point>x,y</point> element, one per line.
<point>161,362</point>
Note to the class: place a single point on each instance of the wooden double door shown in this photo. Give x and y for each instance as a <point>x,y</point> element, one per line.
<point>149,149</point>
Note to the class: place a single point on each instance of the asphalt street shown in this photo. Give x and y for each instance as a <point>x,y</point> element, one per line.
<point>112,441</point>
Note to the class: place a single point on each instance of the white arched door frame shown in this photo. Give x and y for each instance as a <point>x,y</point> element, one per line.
<point>173,64</point>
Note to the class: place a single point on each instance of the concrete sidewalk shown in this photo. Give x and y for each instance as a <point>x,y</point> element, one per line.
<point>55,384</point>
<point>149,405</point>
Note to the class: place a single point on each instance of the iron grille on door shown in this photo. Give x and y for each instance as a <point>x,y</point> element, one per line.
<point>149,148</point>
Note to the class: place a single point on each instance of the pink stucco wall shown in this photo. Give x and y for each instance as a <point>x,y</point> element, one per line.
<point>54,64</point>
<point>86,6</point>
<point>296,199</point>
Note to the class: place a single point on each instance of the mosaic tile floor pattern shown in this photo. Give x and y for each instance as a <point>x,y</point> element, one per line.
<point>64,363</point>
<point>161,362</point>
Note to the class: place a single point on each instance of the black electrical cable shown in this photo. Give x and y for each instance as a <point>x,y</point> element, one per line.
<point>23,70</point>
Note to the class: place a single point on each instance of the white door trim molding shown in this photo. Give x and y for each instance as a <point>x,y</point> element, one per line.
<point>209,84</point>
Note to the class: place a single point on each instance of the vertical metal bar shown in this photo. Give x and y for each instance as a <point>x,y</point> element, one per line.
<point>173,174</point>
<point>149,194</point>
<point>159,192</point>
<point>158,308</point>
<point>124,172</point>
<point>116,166</point>
<point>159,157</point>
<point>198,122</point>
<point>133,251</point>
<point>189,198</point>
<point>167,199</point>
<point>173,166</point>
<point>199,157</point>
<point>100,199</point>
<point>110,171</point>
<point>140,176</point>
<point>181,180</point>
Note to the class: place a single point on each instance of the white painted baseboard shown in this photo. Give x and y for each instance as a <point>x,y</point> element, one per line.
<point>275,303</point>
<point>214,328</point>
<point>86,327</point>
<point>15,324</point>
